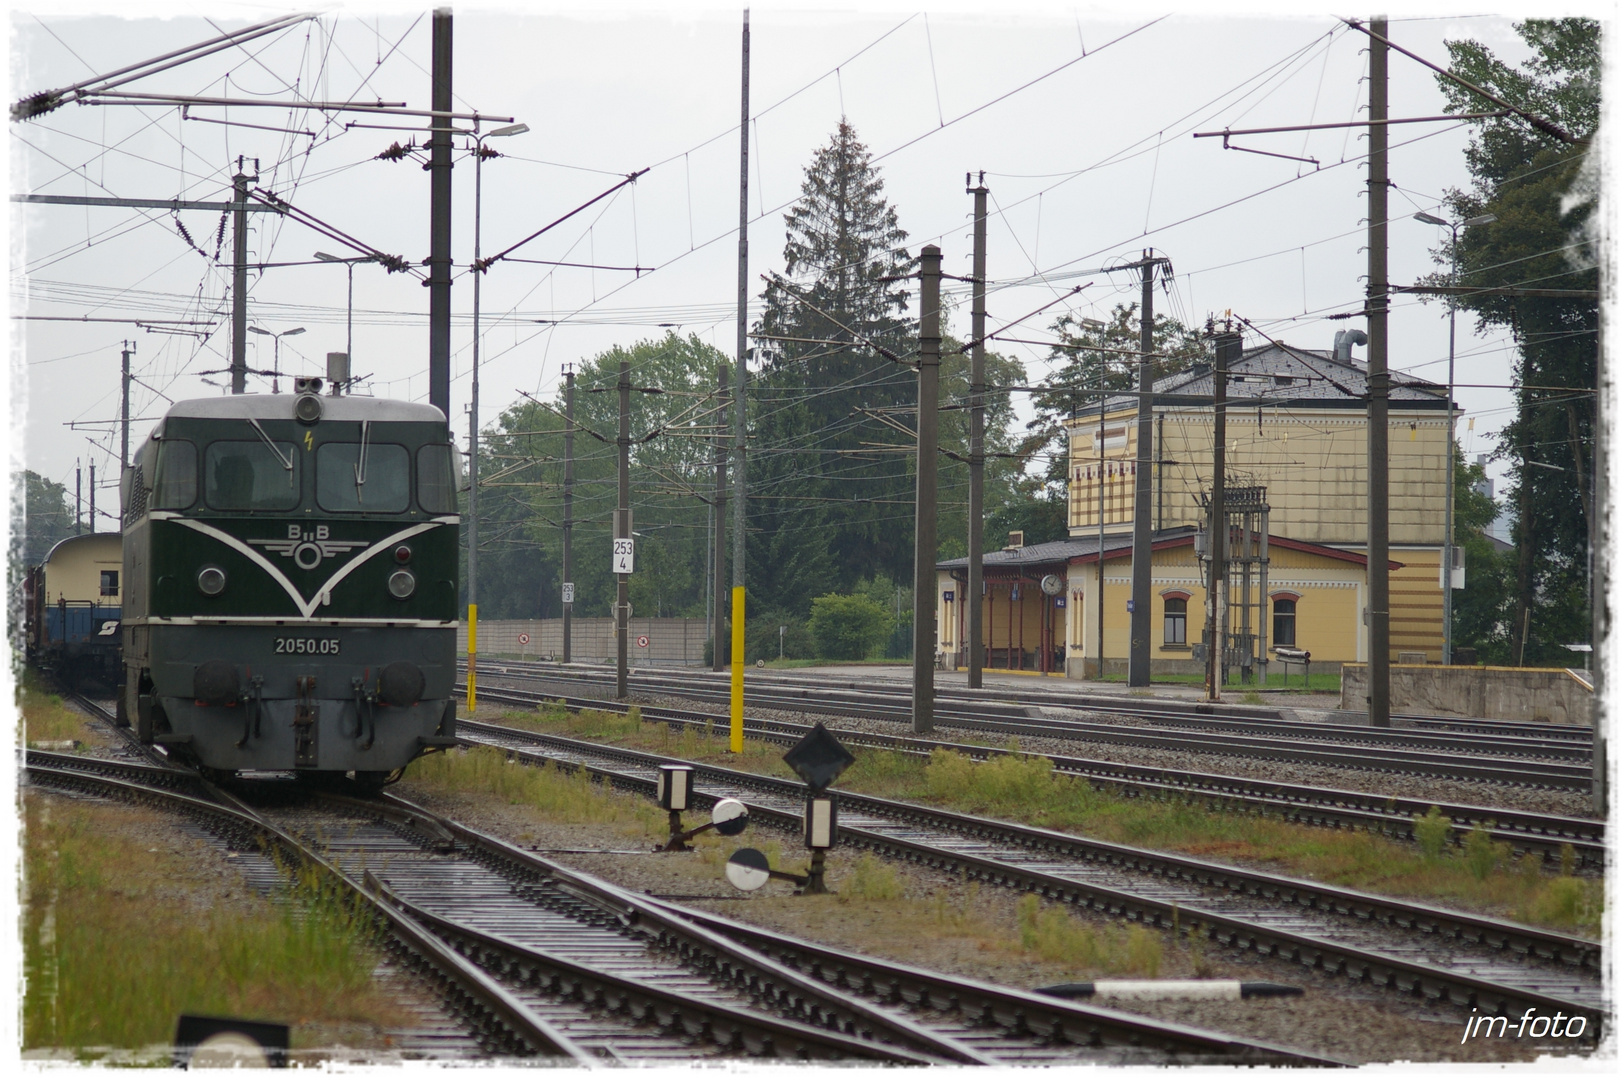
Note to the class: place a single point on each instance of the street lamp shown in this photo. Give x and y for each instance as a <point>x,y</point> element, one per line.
<point>276,365</point>
<point>349,309</point>
<point>480,153</point>
<point>1454,228</point>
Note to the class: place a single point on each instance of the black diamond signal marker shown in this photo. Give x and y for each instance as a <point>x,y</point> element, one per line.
<point>818,758</point>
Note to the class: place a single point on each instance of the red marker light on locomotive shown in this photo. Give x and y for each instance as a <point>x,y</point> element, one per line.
<point>403,554</point>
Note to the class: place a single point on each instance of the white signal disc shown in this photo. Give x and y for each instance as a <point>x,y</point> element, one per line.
<point>747,870</point>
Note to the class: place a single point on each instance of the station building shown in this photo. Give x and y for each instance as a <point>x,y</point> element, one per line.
<point>1296,438</point>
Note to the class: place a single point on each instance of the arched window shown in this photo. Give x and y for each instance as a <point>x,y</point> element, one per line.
<point>1285,622</point>
<point>1173,620</point>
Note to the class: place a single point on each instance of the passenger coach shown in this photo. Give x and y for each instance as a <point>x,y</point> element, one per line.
<point>290,583</point>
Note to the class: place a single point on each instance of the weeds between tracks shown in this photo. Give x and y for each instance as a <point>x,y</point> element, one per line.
<point>874,906</point>
<point>1480,876</point>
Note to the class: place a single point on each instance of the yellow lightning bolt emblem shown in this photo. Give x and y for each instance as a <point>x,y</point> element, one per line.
<point>309,442</point>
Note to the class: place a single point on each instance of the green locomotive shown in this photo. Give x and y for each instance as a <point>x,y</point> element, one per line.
<point>290,569</point>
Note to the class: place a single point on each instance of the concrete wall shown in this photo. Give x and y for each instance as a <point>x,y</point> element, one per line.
<point>1551,695</point>
<point>671,641</point>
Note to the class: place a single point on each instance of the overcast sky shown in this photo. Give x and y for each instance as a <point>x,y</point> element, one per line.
<point>1082,121</point>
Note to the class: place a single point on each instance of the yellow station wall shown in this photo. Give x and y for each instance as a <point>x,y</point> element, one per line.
<point>1312,462</point>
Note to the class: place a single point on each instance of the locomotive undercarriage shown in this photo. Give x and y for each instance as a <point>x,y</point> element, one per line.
<point>371,705</point>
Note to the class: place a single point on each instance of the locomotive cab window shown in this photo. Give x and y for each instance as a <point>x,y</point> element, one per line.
<point>251,476</point>
<point>174,478</point>
<point>109,582</point>
<point>363,477</point>
<point>436,484</point>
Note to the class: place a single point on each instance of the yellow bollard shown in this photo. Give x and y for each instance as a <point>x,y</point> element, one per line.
<point>473,624</point>
<point>736,734</point>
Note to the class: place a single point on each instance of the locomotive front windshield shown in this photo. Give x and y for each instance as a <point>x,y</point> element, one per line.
<point>436,485</point>
<point>370,469</point>
<point>242,475</point>
<point>174,482</point>
<point>363,477</point>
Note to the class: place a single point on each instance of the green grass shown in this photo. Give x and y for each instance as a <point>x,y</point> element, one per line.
<point>1026,789</point>
<point>1318,682</point>
<point>44,717</point>
<point>1052,932</point>
<point>113,953</point>
<point>549,790</point>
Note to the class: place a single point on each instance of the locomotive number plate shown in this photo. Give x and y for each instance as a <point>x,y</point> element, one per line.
<point>307,646</point>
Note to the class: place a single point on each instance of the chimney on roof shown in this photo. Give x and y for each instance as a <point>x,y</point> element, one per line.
<point>1342,345</point>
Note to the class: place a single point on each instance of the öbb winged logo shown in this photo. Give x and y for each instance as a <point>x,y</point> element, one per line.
<point>307,548</point>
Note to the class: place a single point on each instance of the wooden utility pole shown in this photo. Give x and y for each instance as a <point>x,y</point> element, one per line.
<point>569,504</point>
<point>930,368</point>
<point>1376,308</point>
<point>439,282</point>
<point>978,422</point>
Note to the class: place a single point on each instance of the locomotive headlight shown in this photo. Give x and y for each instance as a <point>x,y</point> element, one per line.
<point>307,408</point>
<point>401,584</point>
<point>211,581</point>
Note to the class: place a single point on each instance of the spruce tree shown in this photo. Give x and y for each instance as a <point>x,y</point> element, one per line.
<point>1543,193</point>
<point>828,484</point>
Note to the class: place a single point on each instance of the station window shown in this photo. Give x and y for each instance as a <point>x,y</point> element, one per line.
<point>1175,611</point>
<point>109,582</point>
<point>251,476</point>
<point>1285,622</point>
<point>174,478</point>
<point>348,482</point>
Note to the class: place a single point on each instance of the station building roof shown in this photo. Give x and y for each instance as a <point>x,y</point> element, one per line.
<point>1279,375</point>
<point>1054,556</point>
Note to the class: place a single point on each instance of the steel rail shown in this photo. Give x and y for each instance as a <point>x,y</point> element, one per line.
<point>869,1030</point>
<point>1008,1021</point>
<point>1031,1012</point>
<point>1394,816</point>
<point>1019,1015</point>
<point>1284,746</point>
<point>1010,700</point>
<point>506,1020</point>
<point>1408,976</point>
<point>468,955</point>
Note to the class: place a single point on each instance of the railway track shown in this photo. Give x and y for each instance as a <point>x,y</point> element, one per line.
<point>550,962</point>
<point>1548,835</point>
<point>1413,949</point>
<point>1513,760</point>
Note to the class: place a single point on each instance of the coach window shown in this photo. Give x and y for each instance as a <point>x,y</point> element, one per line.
<point>436,483</point>
<point>1285,622</point>
<point>1173,620</point>
<point>368,477</point>
<point>174,481</point>
<point>250,475</point>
